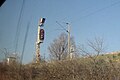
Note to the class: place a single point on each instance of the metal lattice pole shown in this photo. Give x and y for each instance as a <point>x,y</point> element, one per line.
<point>40,38</point>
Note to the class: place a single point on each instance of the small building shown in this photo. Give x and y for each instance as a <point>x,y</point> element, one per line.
<point>11,60</point>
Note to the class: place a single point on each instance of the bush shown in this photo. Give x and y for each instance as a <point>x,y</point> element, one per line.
<point>77,69</point>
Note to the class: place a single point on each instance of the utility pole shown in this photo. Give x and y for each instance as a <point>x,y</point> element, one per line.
<point>72,52</point>
<point>40,38</point>
<point>68,31</point>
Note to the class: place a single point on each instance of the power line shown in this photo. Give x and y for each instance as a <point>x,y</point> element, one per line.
<point>24,44</point>
<point>92,13</point>
<point>25,39</point>
<point>61,26</point>
<point>19,26</point>
<point>99,10</point>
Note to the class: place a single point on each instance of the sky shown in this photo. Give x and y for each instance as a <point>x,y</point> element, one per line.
<point>88,19</point>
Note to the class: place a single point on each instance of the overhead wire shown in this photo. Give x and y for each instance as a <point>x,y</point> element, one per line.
<point>19,26</point>
<point>92,13</point>
<point>61,26</point>
<point>24,45</point>
<point>18,34</point>
<point>99,10</point>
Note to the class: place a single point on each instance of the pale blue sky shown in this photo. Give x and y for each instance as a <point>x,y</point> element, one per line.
<point>88,19</point>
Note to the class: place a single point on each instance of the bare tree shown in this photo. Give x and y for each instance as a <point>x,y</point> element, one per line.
<point>94,48</point>
<point>58,48</point>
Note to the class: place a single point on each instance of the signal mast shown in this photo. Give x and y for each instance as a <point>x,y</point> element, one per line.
<point>40,38</point>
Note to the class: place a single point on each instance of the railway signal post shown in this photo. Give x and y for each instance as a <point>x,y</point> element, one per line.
<point>40,38</point>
